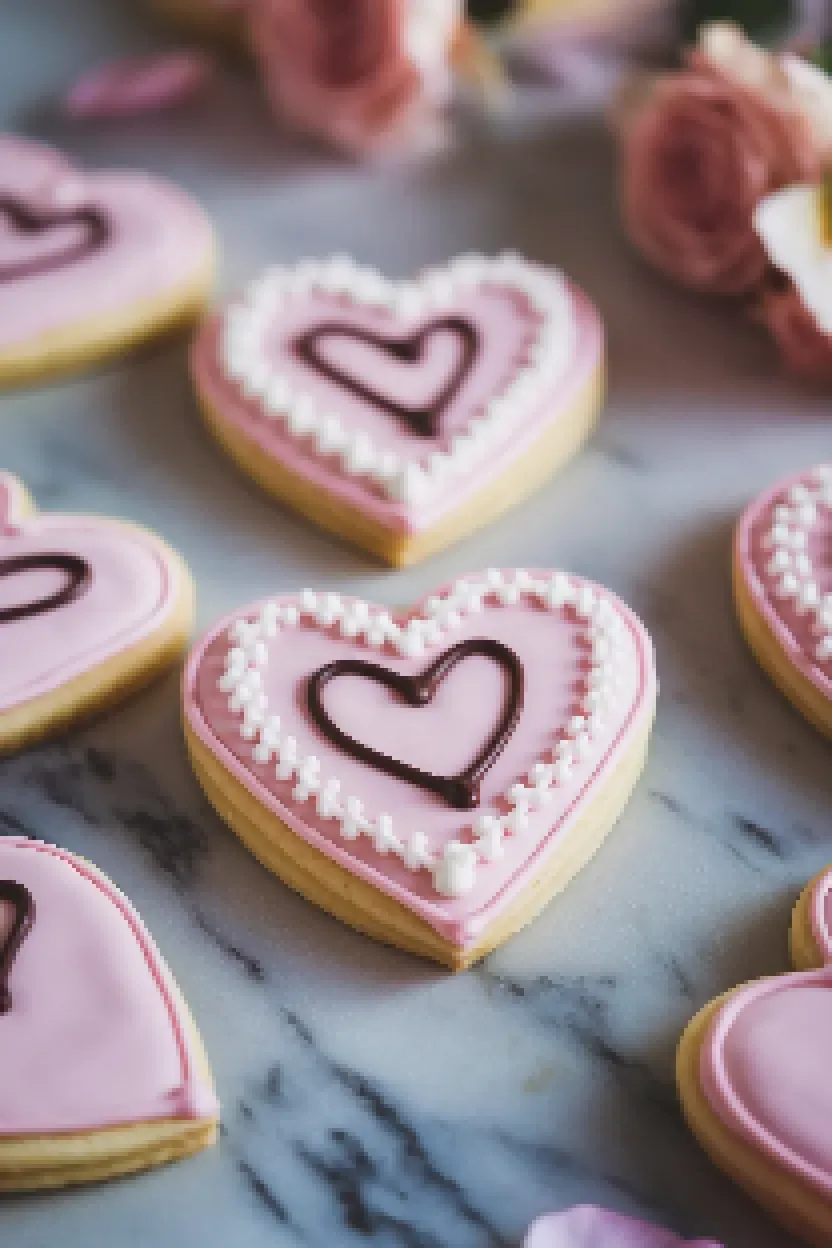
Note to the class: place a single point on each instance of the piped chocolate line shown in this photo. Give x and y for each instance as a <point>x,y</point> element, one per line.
<point>461,791</point>
<point>21,899</point>
<point>31,220</point>
<point>78,575</point>
<point>423,420</point>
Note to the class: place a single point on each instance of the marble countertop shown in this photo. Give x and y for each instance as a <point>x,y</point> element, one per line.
<point>369,1098</point>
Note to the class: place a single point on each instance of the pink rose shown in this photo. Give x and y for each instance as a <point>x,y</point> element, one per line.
<point>355,72</point>
<point>805,348</point>
<point>697,156</point>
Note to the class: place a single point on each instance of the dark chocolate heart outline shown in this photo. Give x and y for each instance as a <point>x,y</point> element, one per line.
<point>423,420</point>
<point>24,917</point>
<point>462,791</point>
<point>29,219</point>
<point>78,573</point>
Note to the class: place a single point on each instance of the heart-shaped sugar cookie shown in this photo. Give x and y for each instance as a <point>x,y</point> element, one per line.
<point>103,1071</point>
<point>811,934</point>
<point>588,1227</point>
<point>431,777</point>
<point>402,415</point>
<point>783,588</point>
<point>91,264</point>
<point>89,610</point>
<point>753,1073</point>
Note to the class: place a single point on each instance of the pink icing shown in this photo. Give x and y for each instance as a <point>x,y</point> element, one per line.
<point>764,1065</point>
<point>132,591</point>
<point>764,1069</point>
<point>504,320</point>
<point>159,240</point>
<point>821,915</point>
<point>138,85</point>
<point>588,1227</point>
<point>793,629</point>
<point>95,1036</point>
<point>443,736</point>
<point>30,168</point>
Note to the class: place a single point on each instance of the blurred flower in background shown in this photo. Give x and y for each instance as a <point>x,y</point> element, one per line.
<point>705,149</point>
<point>805,349</point>
<point>585,46</point>
<point>136,85</point>
<point>795,227</point>
<point>705,145</point>
<point>725,186</point>
<point>363,74</point>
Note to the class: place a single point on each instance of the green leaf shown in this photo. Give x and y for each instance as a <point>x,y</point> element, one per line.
<point>488,12</point>
<point>763,20</point>
<point>822,57</point>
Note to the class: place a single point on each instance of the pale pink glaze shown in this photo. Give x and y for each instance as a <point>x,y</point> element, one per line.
<point>95,1036</point>
<point>821,915</point>
<point>133,589</point>
<point>764,1069</point>
<point>29,167</point>
<point>505,322</point>
<point>588,1227</point>
<point>160,240</point>
<point>443,736</point>
<point>133,86</point>
<point>792,629</point>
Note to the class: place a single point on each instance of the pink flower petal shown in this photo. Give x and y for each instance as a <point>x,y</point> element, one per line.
<point>135,86</point>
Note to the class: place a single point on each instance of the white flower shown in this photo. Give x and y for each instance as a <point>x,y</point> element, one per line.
<point>727,48</point>
<point>429,28</point>
<point>789,224</point>
<point>812,92</point>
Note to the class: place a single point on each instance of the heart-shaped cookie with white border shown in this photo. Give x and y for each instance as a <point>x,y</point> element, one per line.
<point>431,777</point>
<point>103,1071</point>
<point>783,588</point>
<point>90,609</point>
<point>402,415</point>
<point>91,264</point>
<point>753,1076</point>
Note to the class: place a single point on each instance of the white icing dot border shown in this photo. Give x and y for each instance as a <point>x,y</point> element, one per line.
<point>402,479</point>
<point>789,567</point>
<point>604,632</point>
